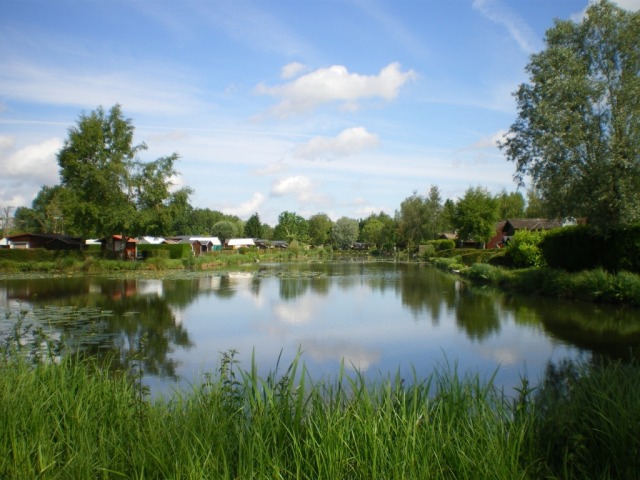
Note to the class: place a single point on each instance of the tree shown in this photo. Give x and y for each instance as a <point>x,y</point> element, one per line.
<point>432,214</point>
<point>476,215</point>
<point>224,230</point>
<point>373,232</point>
<point>291,226</point>
<point>345,232</point>
<point>253,227</point>
<point>320,229</point>
<point>577,134</point>
<point>411,219</point>
<point>107,188</point>
<point>510,205</point>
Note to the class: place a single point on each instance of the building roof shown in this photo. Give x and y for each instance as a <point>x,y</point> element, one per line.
<point>533,223</point>
<point>235,242</point>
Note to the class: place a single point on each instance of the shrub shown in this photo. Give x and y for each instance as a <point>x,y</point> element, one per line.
<point>524,249</point>
<point>440,245</point>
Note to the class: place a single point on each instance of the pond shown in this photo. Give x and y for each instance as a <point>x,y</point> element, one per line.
<point>378,318</point>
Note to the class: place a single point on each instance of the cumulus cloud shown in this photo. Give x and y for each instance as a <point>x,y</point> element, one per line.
<point>247,208</point>
<point>36,163</point>
<point>348,142</point>
<point>499,13</point>
<point>296,185</point>
<point>7,142</point>
<point>292,69</point>
<point>335,84</point>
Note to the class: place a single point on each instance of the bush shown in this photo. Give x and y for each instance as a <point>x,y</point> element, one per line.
<point>524,249</point>
<point>176,250</point>
<point>440,245</point>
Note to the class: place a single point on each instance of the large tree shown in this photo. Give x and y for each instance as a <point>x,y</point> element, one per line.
<point>320,229</point>
<point>577,135</point>
<point>110,189</point>
<point>291,226</point>
<point>344,232</point>
<point>476,215</point>
<point>253,227</point>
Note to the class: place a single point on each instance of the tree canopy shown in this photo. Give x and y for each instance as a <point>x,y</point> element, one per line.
<point>105,187</point>
<point>577,134</point>
<point>476,215</point>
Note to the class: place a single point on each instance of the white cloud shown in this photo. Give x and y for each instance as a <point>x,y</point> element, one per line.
<point>146,90</point>
<point>7,142</point>
<point>335,84</point>
<point>490,141</point>
<point>36,163</point>
<point>631,5</point>
<point>247,208</point>
<point>495,11</point>
<point>272,168</point>
<point>348,142</point>
<point>297,185</point>
<point>292,69</point>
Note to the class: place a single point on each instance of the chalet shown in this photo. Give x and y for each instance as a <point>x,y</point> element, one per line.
<point>236,243</point>
<point>48,241</point>
<point>115,243</point>
<point>199,245</point>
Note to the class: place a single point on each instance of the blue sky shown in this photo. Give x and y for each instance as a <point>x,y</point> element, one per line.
<point>339,106</point>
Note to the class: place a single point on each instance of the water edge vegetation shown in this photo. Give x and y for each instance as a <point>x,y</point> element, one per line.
<point>72,418</point>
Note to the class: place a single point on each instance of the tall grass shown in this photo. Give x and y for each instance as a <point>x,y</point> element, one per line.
<point>70,419</point>
<point>590,285</point>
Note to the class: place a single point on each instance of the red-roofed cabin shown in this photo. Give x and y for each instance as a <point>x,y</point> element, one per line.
<point>127,248</point>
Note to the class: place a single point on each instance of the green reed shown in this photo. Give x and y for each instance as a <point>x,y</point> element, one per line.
<point>72,419</point>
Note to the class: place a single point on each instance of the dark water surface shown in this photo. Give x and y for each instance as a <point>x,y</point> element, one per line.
<point>380,318</point>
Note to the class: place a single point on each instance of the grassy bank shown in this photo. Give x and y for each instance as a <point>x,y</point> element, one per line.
<point>591,285</point>
<point>73,420</point>
<point>214,260</point>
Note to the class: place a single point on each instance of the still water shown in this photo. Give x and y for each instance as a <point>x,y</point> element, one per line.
<point>378,318</point>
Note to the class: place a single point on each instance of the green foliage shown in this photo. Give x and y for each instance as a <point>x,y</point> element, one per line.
<point>291,226</point>
<point>345,232</point>
<point>26,254</point>
<point>587,420</point>
<point>75,418</point>
<point>524,249</point>
<point>510,205</point>
<point>577,135</point>
<point>475,216</point>
<point>104,187</point>
<point>320,229</point>
<point>224,230</point>
<point>253,227</point>
<point>174,251</point>
<point>442,245</point>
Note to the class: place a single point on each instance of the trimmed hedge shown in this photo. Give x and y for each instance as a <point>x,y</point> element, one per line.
<point>583,248</point>
<point>175,251</point>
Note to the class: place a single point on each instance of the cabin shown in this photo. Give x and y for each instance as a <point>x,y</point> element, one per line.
<point>48,241</point>
<point>199,245</point>
<point>236,243</point>
<point>115,243</point>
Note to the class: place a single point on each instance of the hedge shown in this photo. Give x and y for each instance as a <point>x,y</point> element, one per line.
<point>176,250</point>
<point>583,248</point>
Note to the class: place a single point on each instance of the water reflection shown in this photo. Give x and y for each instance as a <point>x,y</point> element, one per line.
<point>371,316</point>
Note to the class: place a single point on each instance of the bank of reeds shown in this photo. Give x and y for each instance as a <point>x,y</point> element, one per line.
<point>590,285</point>
<point>72,419</point>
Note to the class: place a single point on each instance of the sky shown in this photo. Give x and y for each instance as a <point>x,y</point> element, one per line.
<point>345,107</point>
